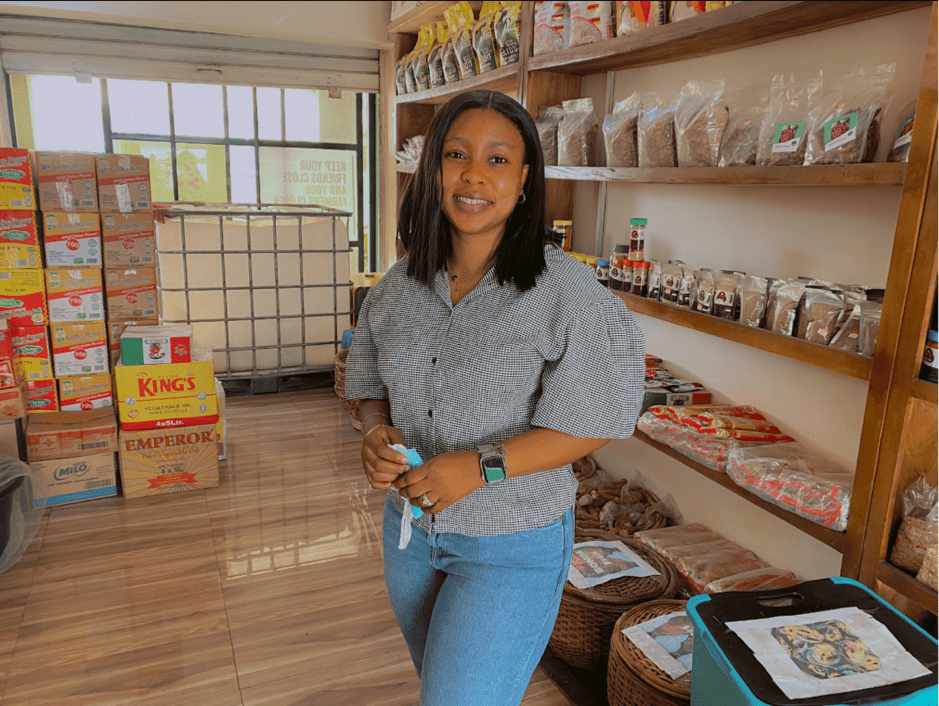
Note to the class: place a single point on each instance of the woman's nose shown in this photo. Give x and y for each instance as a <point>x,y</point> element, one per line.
<point>471,172</point>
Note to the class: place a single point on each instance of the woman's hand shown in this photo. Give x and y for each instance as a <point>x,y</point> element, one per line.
<point>445,479</point>
<point>383,465</point>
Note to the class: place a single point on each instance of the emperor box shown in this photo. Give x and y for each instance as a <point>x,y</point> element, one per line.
<point>163,461</point>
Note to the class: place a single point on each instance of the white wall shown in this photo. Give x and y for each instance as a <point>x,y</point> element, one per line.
<point>318,22</point>
<point>839,234</point>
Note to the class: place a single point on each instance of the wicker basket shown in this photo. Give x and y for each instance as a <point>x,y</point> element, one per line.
<point>632,679</point>
<point>588,523</point>
<point>339,387</point>
<point>586,617</point>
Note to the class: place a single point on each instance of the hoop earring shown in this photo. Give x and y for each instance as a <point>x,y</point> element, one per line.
<point>521,197</point>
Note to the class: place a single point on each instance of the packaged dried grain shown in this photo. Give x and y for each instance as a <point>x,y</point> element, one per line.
<point>577,134</point>
<point>700,121</point>
<point>753,294</point>
<point>656,131</point>
<point>824,310</point>
<point>551,23</point>
<point>590,22</point>
<point>631,17</point>
<point>547,123</point>
<point>784,310</point>
<point>903,135</point>
<point>747,108</point>
<point>619,133</point>
<point>783,136</point>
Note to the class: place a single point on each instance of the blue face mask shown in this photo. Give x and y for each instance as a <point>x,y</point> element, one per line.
<point>415,460</point>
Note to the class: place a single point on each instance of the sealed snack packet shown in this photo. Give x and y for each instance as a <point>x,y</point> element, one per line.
<point>506,27</point>
<point>787,124</point>
<point>415,460</point>
<point>551,23</point>
<point>435,57</point>
<point>484,37</point>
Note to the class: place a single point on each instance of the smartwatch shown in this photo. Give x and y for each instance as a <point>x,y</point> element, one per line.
<point>492,463</point>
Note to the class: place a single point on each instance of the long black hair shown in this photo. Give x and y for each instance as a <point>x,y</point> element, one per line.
<point>424,229</point>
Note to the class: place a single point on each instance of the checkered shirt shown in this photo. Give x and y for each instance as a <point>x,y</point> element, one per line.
<point>565,355</point>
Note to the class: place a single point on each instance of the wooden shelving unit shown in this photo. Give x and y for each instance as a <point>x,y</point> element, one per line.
<point>786,346</point>
<point>504,79</point>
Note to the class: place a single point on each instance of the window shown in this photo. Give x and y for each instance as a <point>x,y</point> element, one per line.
<point>218,143</point>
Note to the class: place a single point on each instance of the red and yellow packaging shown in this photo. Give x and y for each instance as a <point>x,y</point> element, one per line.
<point>6,341</point>
<point>7,374</point>
<point>129,239</point>
<point>23,297</point>
<point>79,349</point>
<point>32,356</point>
<point>75,294</point>
<point>71,239</point>
<point>19,240</point>
<point>40,396</point>
<point>163,461</point>
<point>66,181</point>
<point>17,190</point>
<point>166,396</point>
<point>123,183</point>
<point>67,434</point>
<point>11,404</point>
<point>132,293</point>
<point>80,393</point>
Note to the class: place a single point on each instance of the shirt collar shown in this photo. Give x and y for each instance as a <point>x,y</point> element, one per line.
<point>442,285</point>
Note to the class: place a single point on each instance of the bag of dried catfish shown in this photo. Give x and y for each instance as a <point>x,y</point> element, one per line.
<point>484,37</point>
<point>655,136</point>
<point>506,26</point>
<point>700,121</point>
<point>619,133</point>
<point>788,120</point>
<point>846,124</point>
<point>747,108</point>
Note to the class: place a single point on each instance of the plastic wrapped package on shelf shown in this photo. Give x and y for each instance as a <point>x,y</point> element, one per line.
<point>261,288</point>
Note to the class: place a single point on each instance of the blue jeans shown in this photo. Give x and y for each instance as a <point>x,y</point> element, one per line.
<point>476,612</point>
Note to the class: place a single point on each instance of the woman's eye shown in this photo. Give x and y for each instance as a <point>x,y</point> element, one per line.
<point>499,160</point>
<point>455,155</point>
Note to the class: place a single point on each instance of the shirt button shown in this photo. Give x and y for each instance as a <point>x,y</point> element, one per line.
<point>433,361</point>
<point>430,413</point>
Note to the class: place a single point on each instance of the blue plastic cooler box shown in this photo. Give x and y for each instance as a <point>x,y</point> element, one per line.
<point>727,674</point>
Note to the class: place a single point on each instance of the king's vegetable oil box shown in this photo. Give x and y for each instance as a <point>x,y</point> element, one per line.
<point>70,480</point>
<point>40,396</point>
<point>123,183</point>
<point>132,293</point>
<point>168,395</point>
<point>75,294</point>
<point>79,349</point>
<point>79,393</point>
<point>129,239</point>
<point>163,461</point>
<point>17,190</point>
<point>23,297</point>
<point>32,356</point>
<point>71,238</point>
<point>66,181</point>
<point>19,240</point>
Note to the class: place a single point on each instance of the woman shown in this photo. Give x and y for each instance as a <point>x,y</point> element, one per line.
<point>501,360</point>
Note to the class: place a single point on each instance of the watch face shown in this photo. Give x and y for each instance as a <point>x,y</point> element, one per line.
<point>493,468</point>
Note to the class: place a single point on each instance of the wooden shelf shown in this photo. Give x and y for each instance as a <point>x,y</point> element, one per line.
<point>734,27</point>
<point>823,534</point>
<point>907,586</point>
<point>923,390</point>
<point>425,13</point>
<point>786,346</point>
<point>879,174</point>
<point>504,79</point>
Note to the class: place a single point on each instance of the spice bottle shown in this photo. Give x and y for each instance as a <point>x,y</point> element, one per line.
<point>640,278</point>
<point>568,228</point>
<point>929,370</point>
<point>628,276</point>
<point>617,260</point>
<point>637,239</point>
<point>603,271</point>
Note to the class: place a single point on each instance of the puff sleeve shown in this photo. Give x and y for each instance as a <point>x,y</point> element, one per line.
<point>594,387</point>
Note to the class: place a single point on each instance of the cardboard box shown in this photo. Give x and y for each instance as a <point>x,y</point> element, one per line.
<point>23,297</point>
<point>155,345</point>
<point>40,396</point>
<point>123,183</point>
<point>79,393</point>
<point>129,239</point>
<point>79,349</point>
<point>67,434</point>
<point>7,374</point>
<point>17,190</point>
<point>71,239</point>
<point>221,426</point>
<point>32,356</point>
<point>164,461</point>
<point>75,294</point>
<point>132,293</point>
<point>166,396</point>
<point>11,404</point>
<point>6,340</point>
<point>116,329</point>
<point>66,181</point>
<point>70,480</point>
<point>19,240</point>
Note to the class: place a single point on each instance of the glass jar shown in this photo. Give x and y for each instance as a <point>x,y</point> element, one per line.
<point>617,261</point>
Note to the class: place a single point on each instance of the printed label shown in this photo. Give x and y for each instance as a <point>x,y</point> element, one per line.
<point>788,136</point>
<point>840,131</point>
<point>905,133</point>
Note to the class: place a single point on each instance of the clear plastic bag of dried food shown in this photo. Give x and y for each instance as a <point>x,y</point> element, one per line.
<point>551,23</point>
<point>577,134</point>
<point>726,285</point>
<point>547,123</point>
<point>619,133</point>
<point>825,310</point>
<point>700,121</point>
<point>631,17</point>
<point>685,287</point>
<point>903,135</point>
<point>656,131</point>
<point>703,295</point>
<point>846,123</point>
<point>671,281</point>
<point>747,108</point>
<point>654,285</point>
<point>796,479</point>
<point>848,332</point>
<point>786,125</point>
<point>590,22</point>
<point>753,295</point>
<point>870,327</point>
<point>785,309</point>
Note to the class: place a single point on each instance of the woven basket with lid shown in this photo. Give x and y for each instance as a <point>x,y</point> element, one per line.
<point>632,679</point>
<point>586,617</point>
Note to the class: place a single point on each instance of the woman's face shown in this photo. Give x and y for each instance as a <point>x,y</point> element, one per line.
<point>482,173</point>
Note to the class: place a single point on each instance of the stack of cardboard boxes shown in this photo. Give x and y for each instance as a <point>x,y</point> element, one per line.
<point>74,275</point>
